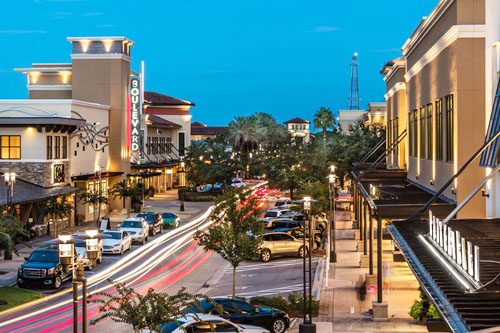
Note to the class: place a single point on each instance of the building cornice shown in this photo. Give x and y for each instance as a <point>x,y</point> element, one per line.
<point>101,56</point>
<point>397,66</point>
<point>424,27</point>
<point>55,101</point>
<point>49,87</point>
<point>454,33</point>
<point>395,88</point>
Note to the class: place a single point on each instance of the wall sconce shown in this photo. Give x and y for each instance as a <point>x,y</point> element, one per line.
<point>453,190</point>
<point>484,193</point>
<point>431,182</point>
<point>417,177</point>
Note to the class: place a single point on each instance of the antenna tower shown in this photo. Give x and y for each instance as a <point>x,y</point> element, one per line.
<point>354,97</point>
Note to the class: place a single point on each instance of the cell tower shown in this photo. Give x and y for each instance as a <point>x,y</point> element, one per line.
<point>354,97</point>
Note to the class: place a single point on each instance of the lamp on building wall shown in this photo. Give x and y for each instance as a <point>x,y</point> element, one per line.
<point>331,186</point>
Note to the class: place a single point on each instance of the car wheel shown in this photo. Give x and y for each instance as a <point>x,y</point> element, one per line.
<point>279,325</point>
<point>57,282</point>
<point>302,251</point>
<point>21,284</point>
<point>265,255</point>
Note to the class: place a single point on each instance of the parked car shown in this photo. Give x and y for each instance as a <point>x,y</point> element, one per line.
<point>170,219</point>
<point>238,182</point>
<point>118,241</point>
<point>282,202</point>
<point>194,323</point>
<point>280,243</point>
<point>81,250</point>
<point>284,223</point>
<point>241,312</point>
<point>154,221</point>
<point>42,268</point>
<point>137,228</point>
<point>275,213</point>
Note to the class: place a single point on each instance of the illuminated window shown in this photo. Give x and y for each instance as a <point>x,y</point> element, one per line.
<point>439,130</point>
<point>10,147</point>
<point>413,132</point>
<point>428,134</point>
<point>449,108</point>
<point>423,131</point>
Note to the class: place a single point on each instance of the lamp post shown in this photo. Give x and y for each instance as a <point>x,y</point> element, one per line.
<point>182,171</point>
<point>10,179</point>
<point>307,326</point>
<point>331,185</point>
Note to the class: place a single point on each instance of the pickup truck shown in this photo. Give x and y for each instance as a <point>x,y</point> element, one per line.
<point>42,268</point>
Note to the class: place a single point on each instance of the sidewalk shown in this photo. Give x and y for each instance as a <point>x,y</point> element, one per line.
<point>161,202</point>
<point>342,309</point>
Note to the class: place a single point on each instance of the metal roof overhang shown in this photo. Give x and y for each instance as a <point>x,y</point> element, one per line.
<point>155,165</point>
<point>145,174</point>
<point>93,176</point>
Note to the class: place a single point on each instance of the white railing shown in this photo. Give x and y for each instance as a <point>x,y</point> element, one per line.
<point>457,249</point>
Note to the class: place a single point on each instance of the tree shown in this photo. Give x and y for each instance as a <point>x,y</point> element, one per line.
<point>95,199</point>
<point>142,312</point>
<point>56,208</point>
<point>236,233</point>
<point>324,119</point>
<point>123,190</point>
<point>12,234</point>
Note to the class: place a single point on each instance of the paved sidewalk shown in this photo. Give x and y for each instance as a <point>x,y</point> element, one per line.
<point>160,202</point>
<point>341,307</point>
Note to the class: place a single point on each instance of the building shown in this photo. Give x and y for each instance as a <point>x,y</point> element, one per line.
<point>376,114</point>
<point>350,118</point>
<point>200,131</point>
<point>437,193</point>
<point>75,130</point>
<point>299,128</point>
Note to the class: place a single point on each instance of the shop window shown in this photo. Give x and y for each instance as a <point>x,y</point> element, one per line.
<point>49,147</point>
<point>450,144</point>
<point>10,147</point>
<point>439,130</point>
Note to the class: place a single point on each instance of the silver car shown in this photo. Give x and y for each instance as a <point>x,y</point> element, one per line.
<point>137,228</point>
<point>280,243</point>
<point>118,241</point>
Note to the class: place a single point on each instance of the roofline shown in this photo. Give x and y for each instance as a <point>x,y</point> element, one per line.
<point>56,101</point>
<point>43,69</point>
<point>113,38</point>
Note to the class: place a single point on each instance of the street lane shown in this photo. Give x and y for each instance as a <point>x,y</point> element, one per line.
<point>158,264</point>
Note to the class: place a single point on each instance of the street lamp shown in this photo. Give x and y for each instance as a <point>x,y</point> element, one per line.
<point>331,185</point>
<point>183,171</point>
<point>307,326</point>
<point>98,174</point>
<point>10,179</point>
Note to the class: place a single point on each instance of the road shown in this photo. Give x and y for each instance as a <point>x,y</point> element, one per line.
<point>159,264</point>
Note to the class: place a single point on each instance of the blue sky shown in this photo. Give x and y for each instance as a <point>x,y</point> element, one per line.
<point>231,57</point>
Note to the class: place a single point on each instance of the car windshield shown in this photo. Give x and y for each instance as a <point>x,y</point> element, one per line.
<point>44,256</point>
<point>131,224</point>
<point>168,215</point>
<point>113,234</point>
<point>271,214</point>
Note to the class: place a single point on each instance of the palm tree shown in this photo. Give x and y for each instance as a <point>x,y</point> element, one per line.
<point>124,191</point>
<point>11,234</point>
<point>95,199</point>
<point>57,209</point>
<point>324,119</point>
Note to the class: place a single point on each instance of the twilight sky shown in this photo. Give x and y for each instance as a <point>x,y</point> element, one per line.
<point>230,57</point>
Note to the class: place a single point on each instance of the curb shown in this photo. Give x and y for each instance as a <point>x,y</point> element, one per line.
<point>207,286</point>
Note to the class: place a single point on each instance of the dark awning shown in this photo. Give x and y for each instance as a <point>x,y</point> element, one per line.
<point>145,174</point>
<point>463,310</point>
<point>155,165</point>
<point>489,156</point>
<point>55,124</point>
<point>25,192</point>
<point>93,176</point>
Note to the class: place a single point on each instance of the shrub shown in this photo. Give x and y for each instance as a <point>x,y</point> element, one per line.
<point>277,302</point>
<point>433,313</point>
<point>416,311</point>
<point>195,196</point>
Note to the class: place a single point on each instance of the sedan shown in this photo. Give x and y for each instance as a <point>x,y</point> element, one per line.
<point>193,323</point>
<point>241,312</point>
<point>118,241</point>
<point>170,219</point>
<point>81,250</point>
<point>154,221</point>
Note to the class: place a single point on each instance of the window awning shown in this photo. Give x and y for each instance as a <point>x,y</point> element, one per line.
<point>490,155</point>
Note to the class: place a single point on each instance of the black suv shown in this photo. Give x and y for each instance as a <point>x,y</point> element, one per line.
<point>241,312</point>
<point>42,268</point>
<point>154,221</point>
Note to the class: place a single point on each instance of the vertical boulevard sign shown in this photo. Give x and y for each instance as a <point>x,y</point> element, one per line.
<point>135,114</point>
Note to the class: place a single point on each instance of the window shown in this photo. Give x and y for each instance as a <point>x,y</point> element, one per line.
<point>64,147</point>
<point>410,132</point>
<point>395,126</point>
<point>423,131</point>
<point>449,128</point>
<point>57,147</point>
<point>182,143</point>
<point>49,147</point>
<point>439,130</point>
<point>10,147</point>
<point>428,134</point>
<point>389,133</point>
<point>148,146</point>
<point>413,133</point>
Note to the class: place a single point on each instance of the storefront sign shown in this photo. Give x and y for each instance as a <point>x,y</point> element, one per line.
<point>135,114</point>
<point>58,173</point>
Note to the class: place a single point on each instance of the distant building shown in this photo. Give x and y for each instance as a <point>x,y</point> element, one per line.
<point>376,114</point>
<point>299,128</point>
<point>349,118</point>
<point>200,131</point>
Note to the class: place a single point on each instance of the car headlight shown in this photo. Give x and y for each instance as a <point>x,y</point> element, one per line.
<point>116,246</point>
<point>51,271</point>
<point>19,269</point>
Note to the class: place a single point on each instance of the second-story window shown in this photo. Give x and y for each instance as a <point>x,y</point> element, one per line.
<point>428,134</point>
<point>423,131</point>
<point>57,147</point>
<point>64,147</point>
<point>10,147</point>
<point>439,130</point>
<point>450,144</point>
<point>49,147</point>
<point>395,131</point>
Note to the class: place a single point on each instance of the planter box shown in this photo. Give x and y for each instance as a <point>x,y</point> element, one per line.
<point>437,325</point>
